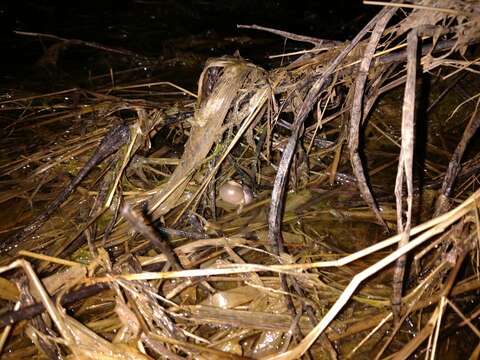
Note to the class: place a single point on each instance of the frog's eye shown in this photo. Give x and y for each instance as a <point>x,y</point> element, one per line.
<point>232,192</point>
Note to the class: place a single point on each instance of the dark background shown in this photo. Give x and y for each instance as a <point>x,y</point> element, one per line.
<point>144,27</point>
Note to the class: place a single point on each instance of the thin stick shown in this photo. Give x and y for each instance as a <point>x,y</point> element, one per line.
<point>315,41</point>
<point>455,162</point>
<point>7,329</point>
<point>405,169</point>
<point>357,110</point>
<point>80,42</point>
<point>417,7</point>
<point>140,224</point>
<point>370,334</point>
<point>51,259</point>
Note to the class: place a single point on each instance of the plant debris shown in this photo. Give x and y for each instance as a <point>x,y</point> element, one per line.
<point>260,217</point>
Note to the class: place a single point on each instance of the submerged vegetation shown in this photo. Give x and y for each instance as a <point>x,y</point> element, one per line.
<point>325,208</point>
